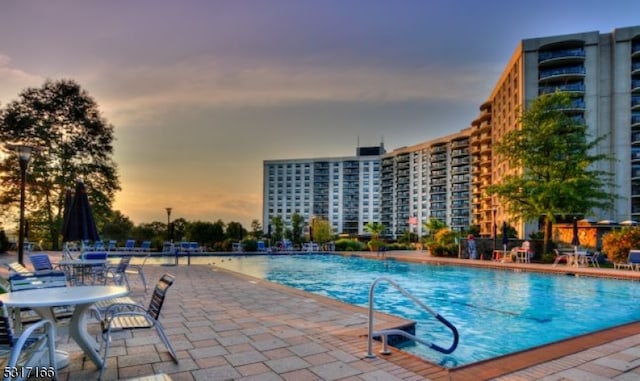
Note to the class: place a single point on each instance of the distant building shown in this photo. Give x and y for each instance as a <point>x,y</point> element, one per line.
<point>343,190</point>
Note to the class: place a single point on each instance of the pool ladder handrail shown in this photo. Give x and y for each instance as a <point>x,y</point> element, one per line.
<point>384,333</point>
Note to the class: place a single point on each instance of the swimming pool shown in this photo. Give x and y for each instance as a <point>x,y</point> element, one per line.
<point>496,312</point>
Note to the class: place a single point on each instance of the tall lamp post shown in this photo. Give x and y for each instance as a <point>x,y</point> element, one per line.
<point>24,155</point>
<point>169,224</point>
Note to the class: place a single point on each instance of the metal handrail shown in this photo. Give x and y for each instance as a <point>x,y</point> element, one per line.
<point>385,333</point>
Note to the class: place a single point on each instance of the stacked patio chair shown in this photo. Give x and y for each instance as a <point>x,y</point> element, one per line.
<point>20,353</point>
<point>120,317</point>
<point>138,270</point>
<point>96,273</point>
<point>117,274</point>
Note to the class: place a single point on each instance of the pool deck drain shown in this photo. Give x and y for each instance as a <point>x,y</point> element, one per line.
<point>227,326</point>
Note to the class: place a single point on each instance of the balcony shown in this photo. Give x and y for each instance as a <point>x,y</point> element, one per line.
<point>635,102</point>
<point>570,88</point>
<point>564,73</point>
<point>635,67</point>
<point>635,86</point>
<point>564,55</point>
<point>635,121</point>
<point>635,49</point>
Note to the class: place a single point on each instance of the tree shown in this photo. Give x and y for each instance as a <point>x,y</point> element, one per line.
<point>256,229</point>
<point>297,224</point>
<point>235,231</point>
<point>321,230</point>
<point>555,155</point>
<point>117,226</point>
<point>74,142</point>
<point>433,226</point>
<point>375,228</point>
<point>278,229</point>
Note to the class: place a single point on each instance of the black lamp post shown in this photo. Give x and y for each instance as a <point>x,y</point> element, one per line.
<point>169,223</point>
<point>24,155</point>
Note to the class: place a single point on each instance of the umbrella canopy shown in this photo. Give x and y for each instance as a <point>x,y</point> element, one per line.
<point>78,222</point>
<point>68,200</point>
<point>575,240</point>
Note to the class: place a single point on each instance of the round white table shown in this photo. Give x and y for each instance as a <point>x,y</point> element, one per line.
<point>82,297</point>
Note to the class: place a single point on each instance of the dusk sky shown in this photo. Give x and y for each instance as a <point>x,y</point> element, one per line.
<point>201,92</point>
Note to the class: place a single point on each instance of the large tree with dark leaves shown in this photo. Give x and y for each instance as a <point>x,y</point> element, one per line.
<point>74,141</point>
<point>556,157</point>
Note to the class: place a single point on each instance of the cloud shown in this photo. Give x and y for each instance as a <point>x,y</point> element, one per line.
<point>14,80</point>
<point>143,91</point>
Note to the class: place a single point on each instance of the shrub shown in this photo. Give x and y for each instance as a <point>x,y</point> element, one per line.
<point>375,244</point>
<point>249,244</point>
<point>346,244</point>
<point>617,243</point>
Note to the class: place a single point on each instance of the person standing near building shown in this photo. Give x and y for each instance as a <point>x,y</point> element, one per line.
<point>471,247</point>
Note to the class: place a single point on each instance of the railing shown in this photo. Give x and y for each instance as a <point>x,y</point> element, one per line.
<point>398,332</point>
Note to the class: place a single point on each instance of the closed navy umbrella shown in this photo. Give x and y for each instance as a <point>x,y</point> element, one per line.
<point>78,221</point>
<point>575,240</point>
<point>505,236</point>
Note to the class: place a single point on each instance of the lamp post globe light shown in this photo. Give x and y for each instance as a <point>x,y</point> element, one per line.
<point>24,156</point>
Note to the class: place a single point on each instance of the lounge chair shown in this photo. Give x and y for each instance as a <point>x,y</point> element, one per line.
<point>112,245</point>
<point>26,350</point>
<point>632,263</point>
<point>129,245</point>
<point>144,247</point>
<point>560,257</point>
<point>133,316</point>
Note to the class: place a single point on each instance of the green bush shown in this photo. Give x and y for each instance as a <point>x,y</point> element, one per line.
<point>249,244</point>
<point>397,246</point>
<point>617,243</point>
<point>346,244</point>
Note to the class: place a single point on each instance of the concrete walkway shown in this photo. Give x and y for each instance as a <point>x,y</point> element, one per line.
<point>227,326</point>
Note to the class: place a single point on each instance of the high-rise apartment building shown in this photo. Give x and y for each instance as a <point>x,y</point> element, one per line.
<point>343,190</point>
<point>601,72</point>
<point>447,178</point>
<point>428,180</point>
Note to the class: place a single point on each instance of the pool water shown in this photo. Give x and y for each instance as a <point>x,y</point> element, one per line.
<point>496,312</point>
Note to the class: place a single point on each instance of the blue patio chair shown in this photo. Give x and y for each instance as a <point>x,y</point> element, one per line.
<point>29,281</point>
<point>144,247</point>
<point>129,245</point>
<point>112,245</point>
<point>26,350</point>
<point>40,262</point>
<point>96,272</point>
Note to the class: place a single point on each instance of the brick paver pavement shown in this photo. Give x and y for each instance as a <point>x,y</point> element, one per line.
<point>226,326</point>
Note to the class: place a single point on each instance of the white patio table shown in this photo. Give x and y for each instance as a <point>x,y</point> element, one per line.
<point>82,297</point>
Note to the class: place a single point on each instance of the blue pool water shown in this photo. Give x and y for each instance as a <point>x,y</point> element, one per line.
<point>496,312</point>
